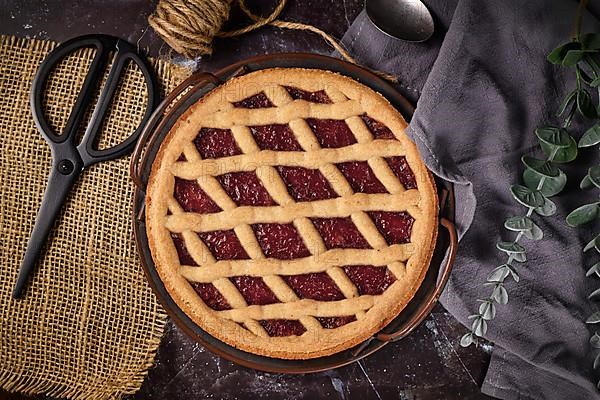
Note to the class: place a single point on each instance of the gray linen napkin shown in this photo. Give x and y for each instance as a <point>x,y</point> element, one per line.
<point>483,85</point>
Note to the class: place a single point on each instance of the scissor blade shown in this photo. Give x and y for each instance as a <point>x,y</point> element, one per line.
<point>56,192</point>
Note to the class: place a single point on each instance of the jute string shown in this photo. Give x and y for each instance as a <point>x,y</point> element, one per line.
<point>190,26</point>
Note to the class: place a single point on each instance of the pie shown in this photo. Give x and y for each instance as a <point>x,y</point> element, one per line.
<point>288,214</point>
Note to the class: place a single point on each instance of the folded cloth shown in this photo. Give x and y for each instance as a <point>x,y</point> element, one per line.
<point>483,85</point>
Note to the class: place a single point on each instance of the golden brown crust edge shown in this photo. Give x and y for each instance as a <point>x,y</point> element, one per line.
<point>391,303</point>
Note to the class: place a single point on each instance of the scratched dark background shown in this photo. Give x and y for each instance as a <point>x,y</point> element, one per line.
<point>429,364</point>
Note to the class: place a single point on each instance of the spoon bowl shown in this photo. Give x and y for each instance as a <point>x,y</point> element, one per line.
<point>408,20</point>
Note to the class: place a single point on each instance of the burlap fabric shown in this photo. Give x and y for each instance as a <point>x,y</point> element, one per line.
<point>89,325</point>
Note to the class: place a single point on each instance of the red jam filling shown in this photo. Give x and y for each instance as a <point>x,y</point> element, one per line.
<point>402,170</point>
<point>394,226</point>
<point>283,327</point>
<point>314,97</point>
<point>182,252</point>
<point>331,133</point>
<point>216,143</point>
<point>259,100</point>
<point>254,290</point>
<point>361,177</point>
<point>192,198</point>
<point>370,279</point>
<point>278,137</point>
<point>211,296</point>
<point>245,189</point>
<point>340,233</point>
<point>280,241</point>
<point>335,322</point>
<point>378,130</point>
<point>224,245</point>
<point>316,286</point>
<point>306,184</point>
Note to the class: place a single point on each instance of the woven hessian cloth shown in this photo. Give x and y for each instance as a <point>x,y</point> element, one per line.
<point>89,325</point>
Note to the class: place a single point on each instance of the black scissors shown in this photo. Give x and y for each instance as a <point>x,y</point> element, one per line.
<point>69,158</point>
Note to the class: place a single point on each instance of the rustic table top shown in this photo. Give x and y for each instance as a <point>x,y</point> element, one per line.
<point>429,364</point>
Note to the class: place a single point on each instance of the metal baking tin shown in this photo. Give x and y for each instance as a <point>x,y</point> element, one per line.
<point>186,94</point>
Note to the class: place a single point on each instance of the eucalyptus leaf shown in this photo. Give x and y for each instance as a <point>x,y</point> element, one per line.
<point>527,197</point>
<point>498,274</point>
<point>550,186</point>
<point>510,247</point>
<point>593,319</point>
<point>563,155</point>
<point>514,274</point>
<point>553,136</point>
<point>466,340</point>
<point>597,364</point>
<point>487,310</point>
<point>572,57</point>
<point>595,293</point>
<point>582,215</point>
<point>566,102</point>
<point>535,233</point>
<point>595,242</point>
<point>557,55</point>
<point>548,209</point>
<point>518,224</point>
<point>585,106</point>
<point>594,176</point>
<point>586,183</point>
<point>479,326</point>
<point>594,269</point>
<point>595,82</point>
<point>590,41</point>
<point>591,137</point>
<point>595,341</point>
<point>519,257</point>
<point>541,167</point>
<point>500,294</point>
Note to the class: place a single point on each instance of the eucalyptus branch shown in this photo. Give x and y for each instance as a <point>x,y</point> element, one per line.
<point>543,178</point>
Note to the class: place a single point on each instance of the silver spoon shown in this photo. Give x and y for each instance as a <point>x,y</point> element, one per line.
<point>408,20</point>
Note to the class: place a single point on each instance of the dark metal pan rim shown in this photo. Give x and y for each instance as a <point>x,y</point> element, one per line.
<point>160,123</point>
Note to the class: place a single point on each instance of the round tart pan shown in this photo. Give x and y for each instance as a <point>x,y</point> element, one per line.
<point>159,125</point>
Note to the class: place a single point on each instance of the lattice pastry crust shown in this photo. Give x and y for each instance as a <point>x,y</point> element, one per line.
<point>239,325</point>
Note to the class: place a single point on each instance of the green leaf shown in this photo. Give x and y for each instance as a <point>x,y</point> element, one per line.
<point>586,183</point>
<point>498,274</point>
<point>594,318</point>
<point>595,293</point>
<point>585,106</point>
<point>541,167</point>
<point>563,155</point>
<point>590,41</point>
<point>518,224</point>
<point>550,187</point>
<point>527,197</point>
<point>566,102</point>
<point>519,257</point>
<point>557,55</point>
<point>535,233</point>
<point>594,269</point>
<point>466,340</point>
<point>594,176</point>
<point>500,294</point>
<point>479,326</point>
<point>552,136</point>
<point>487,310</point>
<point>548,209</point>
<point>572,57</point>
<point>595,82</point>
<point>510,247</point>
<point>514,274</point>
<point>591,137</point>
<point>595,242</point>
<point>582,215</point>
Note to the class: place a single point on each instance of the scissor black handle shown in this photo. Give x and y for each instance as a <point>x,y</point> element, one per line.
<point>104,46</point>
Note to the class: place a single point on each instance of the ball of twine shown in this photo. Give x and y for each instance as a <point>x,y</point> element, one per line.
<point>190,26</point>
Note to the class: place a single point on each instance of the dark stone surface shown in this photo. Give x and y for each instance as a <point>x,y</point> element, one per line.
<point>429,364</point>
